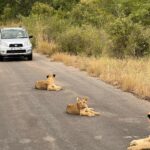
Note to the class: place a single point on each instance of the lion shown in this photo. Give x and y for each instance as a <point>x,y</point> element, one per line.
<point>48,84</point>
<point>141,144</point>
<point>81,108</point>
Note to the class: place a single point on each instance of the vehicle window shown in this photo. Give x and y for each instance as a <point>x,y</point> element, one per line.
<point>13,34</point>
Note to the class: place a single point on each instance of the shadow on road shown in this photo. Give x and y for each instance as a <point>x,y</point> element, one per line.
<point>13,59</point>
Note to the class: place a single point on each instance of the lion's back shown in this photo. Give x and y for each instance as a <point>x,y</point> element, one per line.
<point>42,84</point>
<point>72,109</point>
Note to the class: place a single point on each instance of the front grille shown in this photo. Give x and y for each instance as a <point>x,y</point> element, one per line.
<point>15,45</point>
<point>16,51</point>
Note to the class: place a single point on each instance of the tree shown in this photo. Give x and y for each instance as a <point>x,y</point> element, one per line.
<point>90,13</point>
<point>64,4</point>
<point>39,8</point>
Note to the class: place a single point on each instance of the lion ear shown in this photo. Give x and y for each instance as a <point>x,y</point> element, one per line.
<point>86,98</point>
<point>47,76</point>
<point>54,75</point>
<point>77,98</point>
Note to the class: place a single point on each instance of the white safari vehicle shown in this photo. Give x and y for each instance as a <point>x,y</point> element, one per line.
<point>15,42</point>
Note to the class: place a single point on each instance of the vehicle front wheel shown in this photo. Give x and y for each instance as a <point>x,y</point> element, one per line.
<point>1,58</point>
<point>29,57</point>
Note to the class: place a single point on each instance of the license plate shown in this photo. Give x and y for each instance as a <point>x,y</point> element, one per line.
<point>16,48</point>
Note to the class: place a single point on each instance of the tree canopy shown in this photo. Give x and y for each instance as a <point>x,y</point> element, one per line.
<point>121,25</point>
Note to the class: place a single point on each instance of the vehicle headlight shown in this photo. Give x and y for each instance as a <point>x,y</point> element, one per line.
<point>27,43</point>
<point>2,52</point>
<point>3,44</point>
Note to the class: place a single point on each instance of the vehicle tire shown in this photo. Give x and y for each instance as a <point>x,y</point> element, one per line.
<point>29,57</point>
<point>1,58</point>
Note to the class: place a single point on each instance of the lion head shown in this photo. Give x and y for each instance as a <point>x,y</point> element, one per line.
<point>51,78</point>
<point>82,102</point>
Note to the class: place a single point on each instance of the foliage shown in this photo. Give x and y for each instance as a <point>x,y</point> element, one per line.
<point>128,39</point>
<point>85,39</point>
<point>55,27</point>
<point>89,13</point>
<point>64,4</point>
<point>7,13</point>
<point>118,28</point>
<point>138,44</point>
<point>42,9</point>
<point>141,16</point>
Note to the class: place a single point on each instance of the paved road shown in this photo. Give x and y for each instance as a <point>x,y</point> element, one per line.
<point>36,120</point>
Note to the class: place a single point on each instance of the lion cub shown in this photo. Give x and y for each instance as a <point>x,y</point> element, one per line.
<point>81,108</point>
<point>141,144</point>
<point>48,84</point>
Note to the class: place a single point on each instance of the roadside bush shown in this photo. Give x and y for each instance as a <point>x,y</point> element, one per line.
<point>65,5</point>
<point>34,26</point>
<point>42,9</point>
<point>119,31</point>
<point>46,47</point>
<point>89,13</point>
<point>127,38</point>
<point>138,44</point>
<point>54,27</point>
<point>45,30</point>
<point>71,40</point>
<point>7,13</point>
<point>141,16</point>
<point>90,28</point>
<point>85,40</point>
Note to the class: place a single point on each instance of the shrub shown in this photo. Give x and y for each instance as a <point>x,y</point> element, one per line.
<point>54,27</point>
<point>127,38</point>
<point>7,13</point>
<point>85,39</point>
<point>141,16</point>
<point>64,4</point>
<point>44,28</point>
<point>137,44</point>
<point>89,13</point>
<point>42,9</point>
<point>46,47</point>
<point>71,40</point>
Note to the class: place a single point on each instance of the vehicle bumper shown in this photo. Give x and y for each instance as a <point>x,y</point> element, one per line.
<point>15,52</point>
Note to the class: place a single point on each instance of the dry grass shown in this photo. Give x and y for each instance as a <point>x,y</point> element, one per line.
<point>10,24</point>
<point>45,47</point>
<point>131,75</point>
<point>43,44</point>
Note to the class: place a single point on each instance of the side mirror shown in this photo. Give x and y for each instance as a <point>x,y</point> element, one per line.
<point>30,36</point>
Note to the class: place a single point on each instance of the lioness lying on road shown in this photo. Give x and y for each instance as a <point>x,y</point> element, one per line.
<point>48,84</point>
<point>141,144</point>
<point>81,108</point>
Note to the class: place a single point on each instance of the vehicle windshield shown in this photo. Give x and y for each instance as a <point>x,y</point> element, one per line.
<point>13,34</point>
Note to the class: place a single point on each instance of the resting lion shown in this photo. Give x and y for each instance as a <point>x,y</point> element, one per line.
<point>48,84</point>
<point>81,108</point>
<point>141,144</point>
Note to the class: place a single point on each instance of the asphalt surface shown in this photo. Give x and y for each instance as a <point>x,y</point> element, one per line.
<point>36,120</point>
